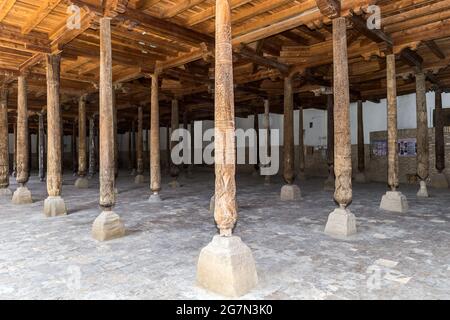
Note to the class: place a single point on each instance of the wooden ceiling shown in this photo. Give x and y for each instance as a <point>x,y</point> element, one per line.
<point>271,38</point>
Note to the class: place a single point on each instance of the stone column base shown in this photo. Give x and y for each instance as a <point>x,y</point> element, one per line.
<point>139,179</point>
<point>154,198</point>
<point>226,266</point>
<point>439,180</point>
<point>107,226</point>
<point>423,192</point>
<point>329,184</point>
<point>394,201</point>
<point>54,206</point>
<point>290,192</point>
<point>174,184</point>
<point>22,196</point>
<point>5,192</point>
<point>341,223</point>
<point>82,183</point>
<point>360,177</point>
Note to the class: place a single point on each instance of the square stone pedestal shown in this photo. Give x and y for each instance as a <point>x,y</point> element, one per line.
<point>22,196</point>
<point>82,183</point>
<point>5,192</point>
<point>394,201</point>
<point>154,198</point>
<point>341,223</point>
<point>107,226</point>
<point>54,206</point>
<point>139,179</point>
<point>423,192</point>
<point>290,192</point>
<point>439,181</point>
<point>226,266</point>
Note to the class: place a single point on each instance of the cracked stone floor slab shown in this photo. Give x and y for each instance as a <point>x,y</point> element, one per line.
<point>393,256</point>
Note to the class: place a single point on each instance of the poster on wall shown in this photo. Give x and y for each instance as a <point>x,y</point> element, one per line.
<point>379,148</point>
<point>407,147</point>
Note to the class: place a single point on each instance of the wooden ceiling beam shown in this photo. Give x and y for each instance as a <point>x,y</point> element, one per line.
<point>211,12</point>
<point>250,54</point>
<point>329,8</point>
<point>180,7</point>
<point>5,7</point>
<point>42,11</point>
<point>376,35</point>
<point>435,49</point>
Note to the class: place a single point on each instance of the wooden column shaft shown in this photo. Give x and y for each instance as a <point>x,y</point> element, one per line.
<point>175,124</point>
<point>4,138</point>
<point>41,147</point>
<point>22,147</point>
<point>342,142</point>
<point>107,142</point>
<point>256,127</point>
<point>54,127</point>
<point>392,122</point>
<point>288,132</point>
<point>301,143</point>
<point>140,142</point>
<point>422,128</point>
<point>92,157</point>
<point>225,212</point>
<point>82,150</point>
<point>439,133</point>
<point>361,160</point>
<point>267,124</point>
<point>155,165</point>
<point>330,132</point>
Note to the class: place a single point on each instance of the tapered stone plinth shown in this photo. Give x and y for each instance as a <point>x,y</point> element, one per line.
<point>341,223</point>
<point>423,192</point>
<point>226,266</point>
<point>290,192</point>
<point>174,184</point>
<point>139,179</point>
<point>54,206</point>
<point>360,177</point>
<point>82,183</point>
<point>22,196</point>
<point>154,198</point>
<point>107,226</point>
<point>5,192</point>
<point>329,184</point>
<point>439,180</point>
<point>394,201</point>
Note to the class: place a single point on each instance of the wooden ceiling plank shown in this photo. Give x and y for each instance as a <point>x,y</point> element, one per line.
<point>5,7</point>
<point>180,7</point>
<point>43,11</point>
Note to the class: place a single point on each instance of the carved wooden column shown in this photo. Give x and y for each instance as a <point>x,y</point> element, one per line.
<point>139,148</point>
<point>191,148</point>
<point>155,164</point>
<point>341,222</point>
<point>73,143</point>
<point>132,147</point>
<point>54,204</point>
<point>301,145</point>
<point>360,175</point>
<point>41,152</point>
<point>175,124</point>
<point>168,159</point>
<point>256,127</point>
<point>4,143</point>
<point>108,224</point>
<point>266,123</point>
<point>14,172</point>
<point>329,183</point>
<point>82,181</point>
<point>439,180</point>
<point>185,137</point>
<point>92,157</point>
<point>226,265</point>
<point>22,195</point>
<point>289,191</point>
<point>422,135</point>
<point>393,200</point>
<point>116,141</point>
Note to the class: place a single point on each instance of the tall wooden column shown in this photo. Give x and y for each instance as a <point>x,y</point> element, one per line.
<point>54,205</point>
<point>155,164</point>
<point>217,268</point>
<point>329,183</point>
<point>139,147</point>
<point>132,147</point>
<point>288,191</point>
<point>82,181</point>
<point>191,148</point>
<point>361,174</point>
<point>41,148</point>
<point>256,127</point>
<point>439,180</point>
<point>301,145</point>
<point>4,143</point>
<point>175,124</point>
<point>422,134</point>
<point>116,144</point>
<point>266,124</point>
<point>108,224</point>
<point>341,221</point>
<point>92,157</point>
<point>73,143</point>
<point>14,172</point>
<point>393,200</point>
<point>22,195</point>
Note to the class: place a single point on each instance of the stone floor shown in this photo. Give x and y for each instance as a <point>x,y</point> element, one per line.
<point>393,256</point>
